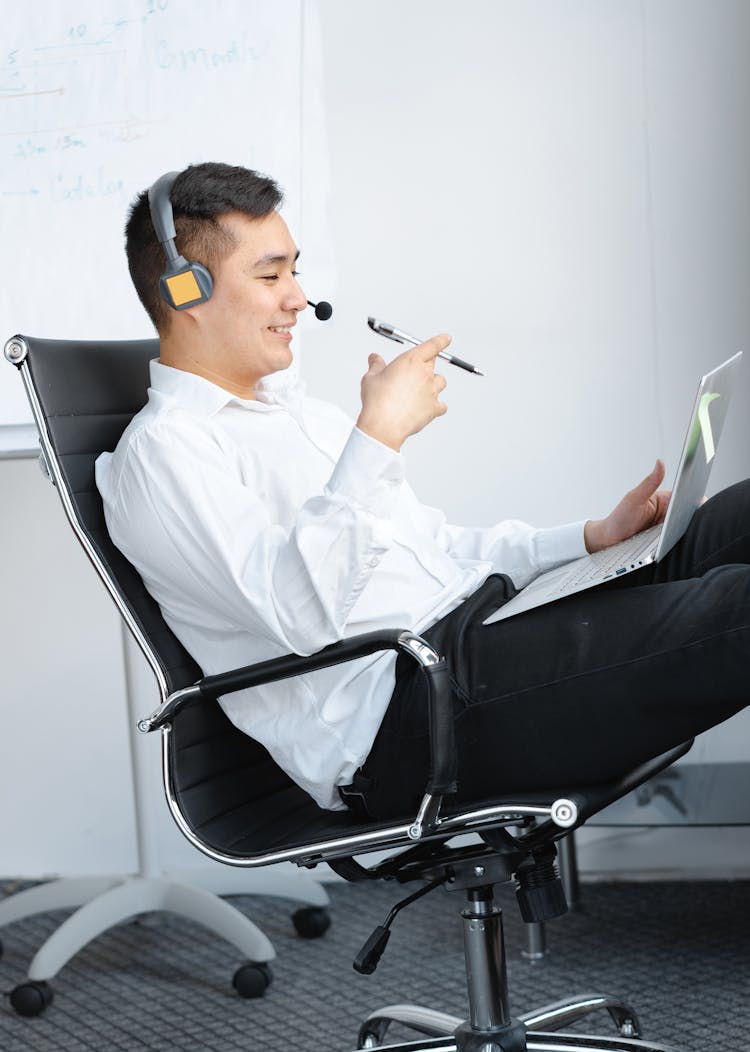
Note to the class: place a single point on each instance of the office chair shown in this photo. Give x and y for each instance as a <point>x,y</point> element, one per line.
<point>236,806</point>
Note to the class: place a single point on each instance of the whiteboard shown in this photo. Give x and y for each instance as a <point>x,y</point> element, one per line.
<point>97,99</point>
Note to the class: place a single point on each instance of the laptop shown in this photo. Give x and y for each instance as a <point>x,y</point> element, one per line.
<point>698,452</point>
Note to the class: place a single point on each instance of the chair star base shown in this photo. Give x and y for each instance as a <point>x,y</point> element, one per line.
<point>536,1042</point>
<point>490,1027</point>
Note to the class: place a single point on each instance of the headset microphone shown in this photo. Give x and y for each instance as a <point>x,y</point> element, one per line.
<point>323,310</point>
<point>182,284</point>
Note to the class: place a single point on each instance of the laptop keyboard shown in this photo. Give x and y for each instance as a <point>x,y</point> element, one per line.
<point>609,561</point>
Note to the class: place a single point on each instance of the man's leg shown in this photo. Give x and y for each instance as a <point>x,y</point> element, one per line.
<point>718,535</point>
<point>581,690</point>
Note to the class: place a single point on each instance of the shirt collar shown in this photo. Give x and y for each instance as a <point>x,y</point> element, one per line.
<point>196,393</point>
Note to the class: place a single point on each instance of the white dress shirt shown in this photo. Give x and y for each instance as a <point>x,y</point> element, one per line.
<point>269,526</point>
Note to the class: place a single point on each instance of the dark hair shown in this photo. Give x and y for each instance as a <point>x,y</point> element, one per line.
<point>199,195</point>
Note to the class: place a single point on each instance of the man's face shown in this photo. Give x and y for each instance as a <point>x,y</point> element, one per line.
<point>246,325</point>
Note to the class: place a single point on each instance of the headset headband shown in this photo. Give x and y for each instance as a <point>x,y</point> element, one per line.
<point>182,284</point>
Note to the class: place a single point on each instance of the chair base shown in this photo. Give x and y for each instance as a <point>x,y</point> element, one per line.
<point>490,1027</point>
<point>105,902</point>
<point>551,1017</point>
<point>446,1033</point>
<point>102,902</point>
<point>535,1042</point>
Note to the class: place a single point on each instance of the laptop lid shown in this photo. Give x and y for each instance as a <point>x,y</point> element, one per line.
<point>698,451</point>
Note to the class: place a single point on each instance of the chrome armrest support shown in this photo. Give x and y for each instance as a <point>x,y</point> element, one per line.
<point>166,712</point>
<point>418,649</point>
<point>428,817</point>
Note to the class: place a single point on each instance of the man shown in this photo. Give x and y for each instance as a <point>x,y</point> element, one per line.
<point>264,522</point>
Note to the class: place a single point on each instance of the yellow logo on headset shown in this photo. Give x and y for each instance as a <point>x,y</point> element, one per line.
<point>183,288</point>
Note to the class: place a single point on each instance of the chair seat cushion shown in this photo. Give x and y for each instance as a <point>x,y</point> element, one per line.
<point>241,804</point>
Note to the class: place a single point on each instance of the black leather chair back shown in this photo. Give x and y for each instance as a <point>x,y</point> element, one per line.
<point>88,392</point>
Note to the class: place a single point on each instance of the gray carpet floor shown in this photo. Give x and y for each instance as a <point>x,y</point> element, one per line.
<point>678,951</point>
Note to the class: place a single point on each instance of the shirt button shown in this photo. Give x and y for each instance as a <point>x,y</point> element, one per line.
<point>374,561</point>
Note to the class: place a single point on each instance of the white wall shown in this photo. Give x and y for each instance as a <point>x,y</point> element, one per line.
<point>562,186</point>
<point>67,798</point>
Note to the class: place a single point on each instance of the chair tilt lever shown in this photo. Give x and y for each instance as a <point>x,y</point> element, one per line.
<point>369,956</point>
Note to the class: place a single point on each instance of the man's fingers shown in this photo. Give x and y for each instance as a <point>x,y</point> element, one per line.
<point>375,363</point>
<point>431,348</point>
<point>651,482</point>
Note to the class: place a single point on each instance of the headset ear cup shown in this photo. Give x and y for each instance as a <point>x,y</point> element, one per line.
<point>187,286</point>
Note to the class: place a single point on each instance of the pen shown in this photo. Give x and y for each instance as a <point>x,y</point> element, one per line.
<point>382,328</point>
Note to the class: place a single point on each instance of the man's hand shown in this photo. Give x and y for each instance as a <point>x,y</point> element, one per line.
<point>401,398</point>
<point>644,506</point>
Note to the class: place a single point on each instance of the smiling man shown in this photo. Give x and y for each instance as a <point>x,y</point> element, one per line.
<point>266,522</point>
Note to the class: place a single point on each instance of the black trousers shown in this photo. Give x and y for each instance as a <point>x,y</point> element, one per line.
<point>581,690</point>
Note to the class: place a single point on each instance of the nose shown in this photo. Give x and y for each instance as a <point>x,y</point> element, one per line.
<point>295,299</point>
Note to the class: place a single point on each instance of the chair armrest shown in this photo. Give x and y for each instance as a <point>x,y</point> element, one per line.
<point>442,777</point>
<point>289,665</point>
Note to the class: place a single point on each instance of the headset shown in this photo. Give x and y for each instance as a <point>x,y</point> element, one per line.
<point>185,284</point>
<point>182,284</point>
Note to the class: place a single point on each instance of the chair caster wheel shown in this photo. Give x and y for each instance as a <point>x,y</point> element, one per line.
<point>311,922</point>
<point>252,980</point>
<point>31,998</point>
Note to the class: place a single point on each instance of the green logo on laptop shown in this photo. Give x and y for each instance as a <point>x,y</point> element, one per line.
<point>702,428</point>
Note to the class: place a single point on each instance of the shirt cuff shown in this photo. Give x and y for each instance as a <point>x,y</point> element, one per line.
<point>369,474</point>
<point>560,544</point>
